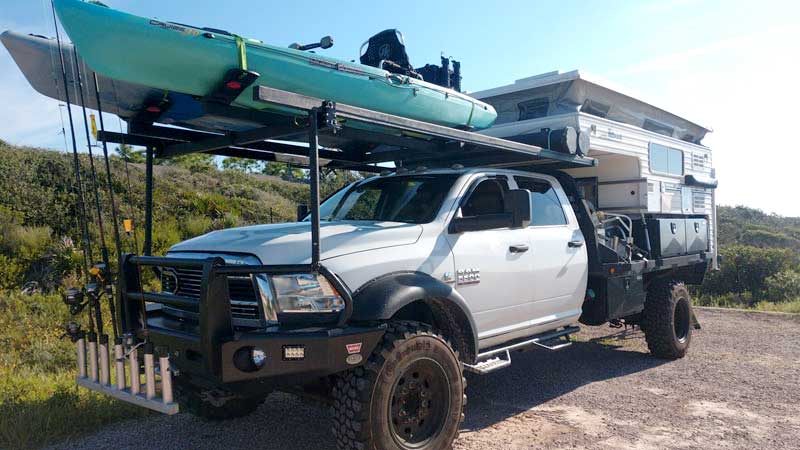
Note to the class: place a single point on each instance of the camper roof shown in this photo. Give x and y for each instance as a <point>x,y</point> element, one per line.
<point>578,93</point>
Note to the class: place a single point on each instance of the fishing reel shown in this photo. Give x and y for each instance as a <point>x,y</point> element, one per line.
<point>74,298</point>
<point>73,332</point>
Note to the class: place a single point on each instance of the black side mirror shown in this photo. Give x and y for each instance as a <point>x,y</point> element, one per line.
<point>302,212</point>
<point>518,203</point>
<point>482,222</point>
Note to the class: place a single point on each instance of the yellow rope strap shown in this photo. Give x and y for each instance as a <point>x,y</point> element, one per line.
<point>242,48</point>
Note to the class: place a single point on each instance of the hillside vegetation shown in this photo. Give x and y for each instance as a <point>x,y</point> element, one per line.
<point>40,252</point>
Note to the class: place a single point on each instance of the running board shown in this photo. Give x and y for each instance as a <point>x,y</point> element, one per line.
<point>500,358</point>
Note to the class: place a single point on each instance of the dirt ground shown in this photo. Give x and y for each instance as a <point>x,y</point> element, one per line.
<point>739,388</point>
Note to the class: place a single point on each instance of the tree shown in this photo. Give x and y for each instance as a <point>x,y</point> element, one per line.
<point>246,165</point>
<point>195,162</point>
<point>128,153</point>
<point>283,170</point>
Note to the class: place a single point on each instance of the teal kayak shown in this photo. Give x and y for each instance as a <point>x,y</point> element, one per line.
<point>188,60</point>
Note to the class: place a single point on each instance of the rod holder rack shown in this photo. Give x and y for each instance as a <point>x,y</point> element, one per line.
<point>98,377</point>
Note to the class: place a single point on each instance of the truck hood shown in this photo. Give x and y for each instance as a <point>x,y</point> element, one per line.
<point>290,243</point>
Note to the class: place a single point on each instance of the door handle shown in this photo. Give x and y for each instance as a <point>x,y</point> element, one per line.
<point>518,248</point>
<point>575,244</point>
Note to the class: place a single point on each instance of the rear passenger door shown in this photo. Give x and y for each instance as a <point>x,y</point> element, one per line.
<point>558,252</point>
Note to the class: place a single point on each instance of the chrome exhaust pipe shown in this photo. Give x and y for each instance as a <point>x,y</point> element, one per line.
<point>166,379</point>
<point>133,368</point>
<point>119,363</point>
<point>105,375</point>
<point>149,371</point>
<point>80,348</point>
<point>93,357</point>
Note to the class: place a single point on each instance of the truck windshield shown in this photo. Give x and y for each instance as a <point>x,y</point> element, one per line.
<point>409,199</point>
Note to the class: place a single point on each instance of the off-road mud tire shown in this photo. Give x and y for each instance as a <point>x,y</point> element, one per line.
<point>667,319</point>
<point>363,397</point>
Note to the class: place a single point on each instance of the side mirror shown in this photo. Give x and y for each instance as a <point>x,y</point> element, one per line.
<point>302,212</point>
<point>518,203</point>
<point>479,223</point>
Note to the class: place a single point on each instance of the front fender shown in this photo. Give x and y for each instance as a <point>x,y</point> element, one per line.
<point>382,297</point>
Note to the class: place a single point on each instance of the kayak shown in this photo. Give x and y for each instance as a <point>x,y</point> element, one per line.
<point>38,59</point>
<point>194,61</point>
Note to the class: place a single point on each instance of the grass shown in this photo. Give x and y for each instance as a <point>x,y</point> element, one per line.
<point>39,401</point>
<point>745,301</point>
<point>785,307</point>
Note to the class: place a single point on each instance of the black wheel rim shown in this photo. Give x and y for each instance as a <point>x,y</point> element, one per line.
<point>682,320</point>
<point>419,402</point>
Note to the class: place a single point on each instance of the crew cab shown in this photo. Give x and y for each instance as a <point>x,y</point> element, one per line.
<point>423,274</point>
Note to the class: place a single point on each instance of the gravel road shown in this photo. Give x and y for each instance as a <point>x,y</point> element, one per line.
<point>739,388</point>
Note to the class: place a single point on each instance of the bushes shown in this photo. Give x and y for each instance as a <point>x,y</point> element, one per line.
<point>745,270</point>
<point>783,286</point>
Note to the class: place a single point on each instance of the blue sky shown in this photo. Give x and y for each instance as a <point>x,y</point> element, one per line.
<point>730,65</point>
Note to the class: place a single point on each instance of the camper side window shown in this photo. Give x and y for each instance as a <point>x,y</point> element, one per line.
<point>666,160</point>
<point>533,109</point>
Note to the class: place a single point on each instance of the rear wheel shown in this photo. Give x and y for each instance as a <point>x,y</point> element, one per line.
<point>409,394</point>
<point>667,319</point>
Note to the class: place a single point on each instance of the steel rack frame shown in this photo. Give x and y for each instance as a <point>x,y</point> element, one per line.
<point>335,136</point>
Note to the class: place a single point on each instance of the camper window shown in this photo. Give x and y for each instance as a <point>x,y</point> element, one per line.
<point>660,128</point>
<point>533,109</point>
<point>666,160</point>
<point>595,108</point>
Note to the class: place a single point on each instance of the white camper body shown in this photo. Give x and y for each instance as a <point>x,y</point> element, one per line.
<point>650,161</point>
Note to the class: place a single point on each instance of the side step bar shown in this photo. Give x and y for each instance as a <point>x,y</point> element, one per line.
<point>98,377</point>
<point>500,358</point>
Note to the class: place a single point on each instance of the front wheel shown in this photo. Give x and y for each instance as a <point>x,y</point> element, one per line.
<point>667,319</point>
<point>409,394</point>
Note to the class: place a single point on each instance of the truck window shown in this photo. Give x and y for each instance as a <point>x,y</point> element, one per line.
<point>408,199</point>
<point>487,198</point>
<point>546,208</point>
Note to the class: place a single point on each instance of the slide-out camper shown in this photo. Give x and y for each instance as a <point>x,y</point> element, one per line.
<point>651,166</point>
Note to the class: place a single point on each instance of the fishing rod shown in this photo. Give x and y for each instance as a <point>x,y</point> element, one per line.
<point>117,240</point>
<point>87,245</point>
<point>98,272</point>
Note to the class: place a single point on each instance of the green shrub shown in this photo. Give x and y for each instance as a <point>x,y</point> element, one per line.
<point>745,270</point>
<point>783,286</point>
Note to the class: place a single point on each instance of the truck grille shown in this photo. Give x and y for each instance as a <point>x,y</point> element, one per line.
<point>186,282</point>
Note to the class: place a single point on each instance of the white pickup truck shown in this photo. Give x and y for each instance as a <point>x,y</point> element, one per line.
<point>425,274</point>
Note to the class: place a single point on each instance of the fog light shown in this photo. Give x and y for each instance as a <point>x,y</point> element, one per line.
<point>249,359</point>
<point>294,352</point>
<point>258,357</point>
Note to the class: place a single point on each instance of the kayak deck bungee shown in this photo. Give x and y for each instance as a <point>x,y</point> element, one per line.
<point>188,60</point>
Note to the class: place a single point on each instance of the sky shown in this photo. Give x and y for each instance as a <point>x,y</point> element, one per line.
<point>729,65</point>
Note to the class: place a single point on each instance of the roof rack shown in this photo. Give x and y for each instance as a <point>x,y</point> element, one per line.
<point>312,132</point>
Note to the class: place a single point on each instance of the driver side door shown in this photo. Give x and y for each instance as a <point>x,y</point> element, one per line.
<point>491,264</point>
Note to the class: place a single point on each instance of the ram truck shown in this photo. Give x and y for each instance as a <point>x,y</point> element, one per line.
<point>423,275</point>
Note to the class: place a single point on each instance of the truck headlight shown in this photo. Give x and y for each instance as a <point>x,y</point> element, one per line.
<point>305,293</point>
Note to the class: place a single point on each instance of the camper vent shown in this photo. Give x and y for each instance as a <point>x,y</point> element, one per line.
<point>699,161</point>
<point>701,201</point>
